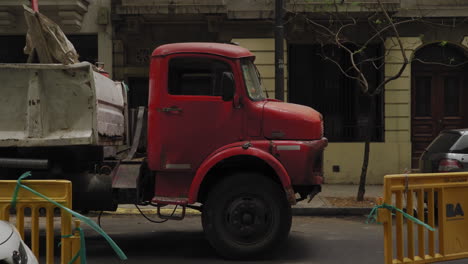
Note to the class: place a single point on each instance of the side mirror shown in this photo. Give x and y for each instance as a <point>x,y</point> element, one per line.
<point>227,86</point>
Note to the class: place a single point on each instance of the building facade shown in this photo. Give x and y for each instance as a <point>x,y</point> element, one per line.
<point>411,111</point>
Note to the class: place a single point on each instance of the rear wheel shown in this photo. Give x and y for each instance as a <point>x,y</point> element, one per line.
<point>246,215</point>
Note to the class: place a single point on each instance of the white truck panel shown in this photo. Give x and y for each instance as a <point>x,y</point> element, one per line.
<point>59,105</point>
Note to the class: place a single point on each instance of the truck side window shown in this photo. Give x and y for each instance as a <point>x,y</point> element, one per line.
<point>196,76</point>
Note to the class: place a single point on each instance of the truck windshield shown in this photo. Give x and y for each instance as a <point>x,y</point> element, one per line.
<point>252,80</point>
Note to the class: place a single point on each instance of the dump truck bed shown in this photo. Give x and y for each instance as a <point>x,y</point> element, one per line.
<point>59,105</point>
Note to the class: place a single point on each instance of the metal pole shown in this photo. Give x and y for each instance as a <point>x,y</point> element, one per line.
<point>35,5</point>
<point>24,163</point>
<point>279,50</point>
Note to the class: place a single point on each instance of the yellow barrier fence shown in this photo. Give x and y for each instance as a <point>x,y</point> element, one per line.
<point>57,190</point>
<point>437,199</point>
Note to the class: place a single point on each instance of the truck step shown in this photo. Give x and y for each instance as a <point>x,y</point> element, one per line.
<point>162,201</point>
<point>170,200</point>
<point>172,216</point>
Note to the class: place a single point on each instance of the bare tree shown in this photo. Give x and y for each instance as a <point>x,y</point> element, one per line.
<point>337,27</point>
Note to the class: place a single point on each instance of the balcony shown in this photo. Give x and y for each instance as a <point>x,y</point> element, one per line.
<point>165,7</point>
<point>434,8</point>
<point>67,13</point>
<point>349,6</point>
<point>241,9</point>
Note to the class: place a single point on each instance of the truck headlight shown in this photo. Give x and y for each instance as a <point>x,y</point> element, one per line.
<point>20,256</point>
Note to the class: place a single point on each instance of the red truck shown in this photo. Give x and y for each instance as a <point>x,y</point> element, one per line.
<point>214,142</point>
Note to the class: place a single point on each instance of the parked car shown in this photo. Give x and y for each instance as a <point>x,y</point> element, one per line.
<point>448,152</point>
<point>12,248</point>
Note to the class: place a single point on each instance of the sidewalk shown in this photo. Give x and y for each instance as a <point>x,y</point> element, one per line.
<point>340,191</point>
<point>339,199</point>
<point>335,199</point>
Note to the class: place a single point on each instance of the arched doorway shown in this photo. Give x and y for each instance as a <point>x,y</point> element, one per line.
<point>439,94</point>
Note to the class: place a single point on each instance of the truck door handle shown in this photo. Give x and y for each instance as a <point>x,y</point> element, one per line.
<point>170,109</point>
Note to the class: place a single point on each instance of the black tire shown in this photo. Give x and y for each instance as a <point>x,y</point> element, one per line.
<point>246,215</point>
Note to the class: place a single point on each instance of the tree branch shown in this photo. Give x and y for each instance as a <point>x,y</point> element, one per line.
<point>403,53</point>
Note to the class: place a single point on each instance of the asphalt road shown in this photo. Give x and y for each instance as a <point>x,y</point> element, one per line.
<point>322,240</point>
<point>312,240</point>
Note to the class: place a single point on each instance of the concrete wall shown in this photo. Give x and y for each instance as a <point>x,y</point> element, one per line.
<point>385,158</point>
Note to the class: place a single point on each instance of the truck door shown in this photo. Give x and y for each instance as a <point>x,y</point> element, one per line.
<point>194,120</point>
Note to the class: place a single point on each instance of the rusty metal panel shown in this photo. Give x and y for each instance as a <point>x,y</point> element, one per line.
<point>126,175</point>
<point>110,106</point>
<point>56,105</point>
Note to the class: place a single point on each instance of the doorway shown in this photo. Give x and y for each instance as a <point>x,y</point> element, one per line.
<point>438,94</point>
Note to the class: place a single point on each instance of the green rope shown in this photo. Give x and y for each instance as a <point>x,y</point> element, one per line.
<point>82,252</point>
<point>18,184</point>
<point>84,219</point>
<point>372,218</point>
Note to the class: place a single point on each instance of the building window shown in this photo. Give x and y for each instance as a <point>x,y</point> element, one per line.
<point>11,48</point>
<point>86,46</point>
<point>196,76</point>
<point>318,83</point>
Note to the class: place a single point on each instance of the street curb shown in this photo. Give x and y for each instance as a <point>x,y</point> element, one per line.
<point>315,211</point>
<point>331,211</point>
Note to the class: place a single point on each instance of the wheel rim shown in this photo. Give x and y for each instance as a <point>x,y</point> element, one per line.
<point>248,219</point>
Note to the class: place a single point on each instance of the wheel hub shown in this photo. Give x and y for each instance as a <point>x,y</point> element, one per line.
<point>248,219</point>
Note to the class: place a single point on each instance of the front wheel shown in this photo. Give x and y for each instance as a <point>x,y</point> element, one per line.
<point>246,215</point>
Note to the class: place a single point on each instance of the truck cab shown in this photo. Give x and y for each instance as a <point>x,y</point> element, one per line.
<point>215,139</point>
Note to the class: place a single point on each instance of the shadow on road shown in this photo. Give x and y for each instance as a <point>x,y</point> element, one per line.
<point>330,240</point>
<point>179,246</point>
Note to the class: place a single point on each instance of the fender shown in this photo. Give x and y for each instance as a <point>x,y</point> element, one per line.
<point>212,160</point>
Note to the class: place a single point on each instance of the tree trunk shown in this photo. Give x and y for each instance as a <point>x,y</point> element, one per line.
<point>365,162</point>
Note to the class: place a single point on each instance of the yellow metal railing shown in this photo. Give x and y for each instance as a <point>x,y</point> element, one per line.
<point>57,190</point>
<point>437,199</point>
